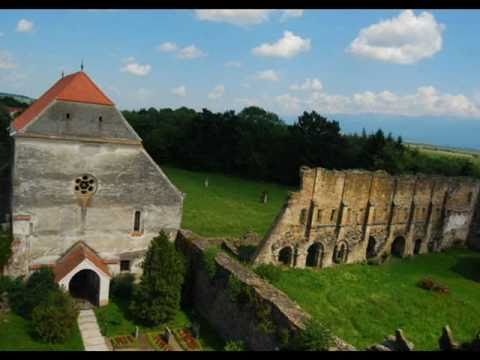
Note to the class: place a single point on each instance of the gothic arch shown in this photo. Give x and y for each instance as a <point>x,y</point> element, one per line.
<point>285,256</point>
<point>398,246</point>
<point>315,255</point>
<point>340,254</point>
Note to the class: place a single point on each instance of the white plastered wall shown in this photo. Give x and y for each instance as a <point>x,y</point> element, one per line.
<point>104,280</point>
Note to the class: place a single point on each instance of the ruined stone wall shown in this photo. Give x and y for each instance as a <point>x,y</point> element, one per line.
<point>48,216</point>
<point>350,216</point>
<point>233,321</point>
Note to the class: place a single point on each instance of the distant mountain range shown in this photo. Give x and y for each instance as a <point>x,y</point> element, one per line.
<point>21,98</point>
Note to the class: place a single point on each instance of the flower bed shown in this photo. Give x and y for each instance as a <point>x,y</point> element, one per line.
<point>123,341</point>
<point>156,339</point>
<point>186,340</point>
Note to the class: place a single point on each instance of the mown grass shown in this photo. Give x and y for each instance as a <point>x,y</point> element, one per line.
<point>229,206</point>
<point>16,335</point>
<point>365,303</point>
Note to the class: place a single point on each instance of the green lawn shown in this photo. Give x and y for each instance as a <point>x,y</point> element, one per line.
<point>229,206</point>
<point>15,335</point>
<point>365,303</point>
<point>113,320</point>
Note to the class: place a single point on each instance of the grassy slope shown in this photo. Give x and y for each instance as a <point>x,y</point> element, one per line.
<point>364,303</point>
<point>15,335</point>
<point>229,206</point>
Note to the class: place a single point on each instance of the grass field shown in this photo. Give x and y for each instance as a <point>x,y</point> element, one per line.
<point>365,303</point>
<point>15,335</point>
<point>229,206</point>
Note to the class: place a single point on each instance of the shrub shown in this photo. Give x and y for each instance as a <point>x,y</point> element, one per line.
<point>430,284</point>
<point>315,337</point>
<point>234,346</point>
<point>268,272</point>
<point>240,292</point>
<point>121,286</point>
<point>55,319</point>
<point>24,296</point>
<point>5,247</point>
<point>6,283</point>
<point>157,298</point>
<point>209,263</point>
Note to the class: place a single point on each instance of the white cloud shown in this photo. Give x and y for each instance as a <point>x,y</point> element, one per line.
<point>190,52</point>
<point>167,47</point>
<point>288,46</point>
<point>269,75</point>
<point>217,92</point>
<point>180,91</point>
<point>245,102</point>
<point>135,68</point>
<point>6,61</point>
<point>405,39</point>
<point>425,101</point>
<point>308,85</point>
<point>233,64</point>
<point>291,14</point>
<point>24,25</point>
<point>290,104</point>
<point>241,17</point>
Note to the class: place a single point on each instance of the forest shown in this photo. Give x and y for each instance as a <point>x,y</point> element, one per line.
<point>259,145</point>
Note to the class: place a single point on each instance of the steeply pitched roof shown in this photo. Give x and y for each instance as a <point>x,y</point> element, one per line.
<point>74,256</point>
<point>76,87</point>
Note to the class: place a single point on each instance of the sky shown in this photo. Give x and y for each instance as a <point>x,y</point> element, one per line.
<point>412,72</point>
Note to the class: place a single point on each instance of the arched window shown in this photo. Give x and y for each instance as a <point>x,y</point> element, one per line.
<point>371,251</point>
<point>340,253</point>
<point>285,256</point>
<point>137,221</point>
<point>398,246</point>
<point>314,255</point>
<point>418,245</point>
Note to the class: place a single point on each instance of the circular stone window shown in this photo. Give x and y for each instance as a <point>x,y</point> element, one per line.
<point>85,185</point>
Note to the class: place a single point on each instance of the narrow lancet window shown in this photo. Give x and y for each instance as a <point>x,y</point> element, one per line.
<point>136,221</point>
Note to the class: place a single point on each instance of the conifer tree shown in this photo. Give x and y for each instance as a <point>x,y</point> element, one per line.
<point>156,299</point>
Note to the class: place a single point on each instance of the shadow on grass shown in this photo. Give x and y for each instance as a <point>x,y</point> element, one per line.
<point>468,267</point>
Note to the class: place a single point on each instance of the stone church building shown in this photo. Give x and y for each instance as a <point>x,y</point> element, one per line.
<point>86,197</point>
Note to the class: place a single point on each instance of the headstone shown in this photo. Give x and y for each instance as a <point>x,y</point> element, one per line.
<point>402,343</point>
<point>168,336</point>
<point>379,347</point>
<point>446,341</point>
<point>264,197</point>
<point>206,182</point>
<point>136,332</point>
<point>196,330</point>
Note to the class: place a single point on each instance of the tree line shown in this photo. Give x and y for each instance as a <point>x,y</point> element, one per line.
<point>257,144</point>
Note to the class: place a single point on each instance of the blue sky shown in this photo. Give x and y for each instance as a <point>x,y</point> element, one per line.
<point>402,66</point>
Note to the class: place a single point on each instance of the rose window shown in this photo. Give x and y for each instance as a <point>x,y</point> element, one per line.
<point>85,185</point>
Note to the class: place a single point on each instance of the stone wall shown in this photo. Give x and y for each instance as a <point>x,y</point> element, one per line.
<point>212,299</point>
<point>351,216</point>
<point>48,216</point>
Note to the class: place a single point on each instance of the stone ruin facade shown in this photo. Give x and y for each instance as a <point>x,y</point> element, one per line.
<point>354,215</point>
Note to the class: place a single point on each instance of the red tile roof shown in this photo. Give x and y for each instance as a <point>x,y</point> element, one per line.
<point>76,87</point>
<point>74,256</point>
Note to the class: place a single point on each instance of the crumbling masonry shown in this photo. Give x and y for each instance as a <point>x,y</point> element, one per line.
<point>351,216</point>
